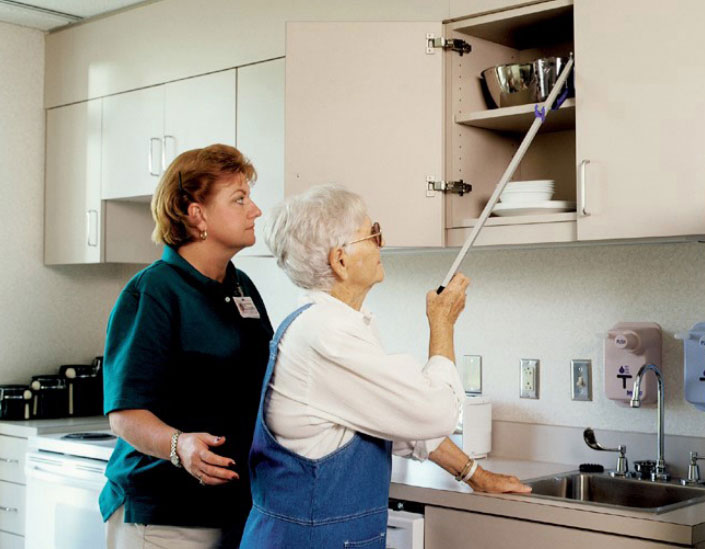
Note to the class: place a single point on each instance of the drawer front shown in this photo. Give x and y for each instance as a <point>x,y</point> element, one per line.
<point>12,507</point>
<point>11,541</point>
<point>12,452</point>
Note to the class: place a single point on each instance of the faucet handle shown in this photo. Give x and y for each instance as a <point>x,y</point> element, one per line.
<point>693,470</point>
<point>622,463</point>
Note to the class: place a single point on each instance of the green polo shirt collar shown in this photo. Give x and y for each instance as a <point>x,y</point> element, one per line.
<point>172,257</point>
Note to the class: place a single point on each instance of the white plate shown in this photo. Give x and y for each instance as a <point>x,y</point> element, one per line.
<point>534,208</point>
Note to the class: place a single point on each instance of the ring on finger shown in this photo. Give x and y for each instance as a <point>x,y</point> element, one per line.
<point>200,480</point>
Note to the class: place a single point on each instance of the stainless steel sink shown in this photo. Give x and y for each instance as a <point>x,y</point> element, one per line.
<point>601,489</point>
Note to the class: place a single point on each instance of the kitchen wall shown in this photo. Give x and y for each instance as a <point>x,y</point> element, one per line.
<point>553,304</point>
<point>48,316</point>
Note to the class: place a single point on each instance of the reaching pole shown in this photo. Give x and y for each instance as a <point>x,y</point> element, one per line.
<point>541,113</point>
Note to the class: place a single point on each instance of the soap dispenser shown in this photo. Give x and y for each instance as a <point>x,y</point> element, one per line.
<point>694,368</point>
<point>628,346</point>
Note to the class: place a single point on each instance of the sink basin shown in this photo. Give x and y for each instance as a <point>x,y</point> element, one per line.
<point>603,490</point>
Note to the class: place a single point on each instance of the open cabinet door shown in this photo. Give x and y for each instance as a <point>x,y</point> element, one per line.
<point>365,109</point>
<point>640,122</point>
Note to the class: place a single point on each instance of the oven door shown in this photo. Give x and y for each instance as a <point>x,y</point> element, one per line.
<point>62,502</point>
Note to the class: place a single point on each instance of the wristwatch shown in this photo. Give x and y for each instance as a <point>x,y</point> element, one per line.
<point>173,456</point>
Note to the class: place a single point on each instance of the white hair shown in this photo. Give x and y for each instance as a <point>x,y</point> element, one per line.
<point>302,230</point>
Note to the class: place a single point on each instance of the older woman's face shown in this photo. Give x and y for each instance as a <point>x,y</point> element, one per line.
<point>364,259</point>
<point>231,213</point>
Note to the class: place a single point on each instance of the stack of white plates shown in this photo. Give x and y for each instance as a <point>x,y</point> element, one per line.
<point>530,198</point>
<point>539,190</point>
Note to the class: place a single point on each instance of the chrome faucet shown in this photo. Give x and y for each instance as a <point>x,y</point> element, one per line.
<point>659,473</point>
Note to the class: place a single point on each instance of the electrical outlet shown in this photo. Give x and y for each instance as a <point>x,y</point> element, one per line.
<point>529,368</point>
<point>581,379</point>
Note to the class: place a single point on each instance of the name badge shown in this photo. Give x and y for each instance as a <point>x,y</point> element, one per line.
<point>246,306</point>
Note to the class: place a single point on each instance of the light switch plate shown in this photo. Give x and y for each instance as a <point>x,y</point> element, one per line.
<point>581,379</point>
<point>529,378</point>
<point>471,374</point>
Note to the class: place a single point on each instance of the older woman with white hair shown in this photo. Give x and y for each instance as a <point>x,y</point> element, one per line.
<point>335,404</point>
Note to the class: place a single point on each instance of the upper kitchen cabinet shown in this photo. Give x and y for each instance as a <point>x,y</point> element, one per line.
<point>639,118</point>
<point>79,227</point>
<point>133,127</point>
<point>381,112</point>
<point>144,130</point>
<point>73,212</point>
<point>481,141</point>
<point>260,136</point>
<point>364,108</point>
<point>198,112</point>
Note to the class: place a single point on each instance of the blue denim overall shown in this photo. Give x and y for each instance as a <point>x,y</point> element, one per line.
<point>337,501</point>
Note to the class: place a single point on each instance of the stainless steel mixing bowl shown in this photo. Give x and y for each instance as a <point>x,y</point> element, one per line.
<point>522,83</point>
<point>509,85</point>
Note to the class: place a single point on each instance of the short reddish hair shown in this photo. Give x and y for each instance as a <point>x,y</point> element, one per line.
<point>199,169</point>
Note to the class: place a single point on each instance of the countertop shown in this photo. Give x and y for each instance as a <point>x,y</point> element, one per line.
<point>33,427</point>
<point>429,484</point>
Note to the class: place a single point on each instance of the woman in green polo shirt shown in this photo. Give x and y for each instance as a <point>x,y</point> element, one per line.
<point>186,349</point>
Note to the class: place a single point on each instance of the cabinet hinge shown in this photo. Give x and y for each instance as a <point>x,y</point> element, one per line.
<point>453,44</point>
<point>454,187</point>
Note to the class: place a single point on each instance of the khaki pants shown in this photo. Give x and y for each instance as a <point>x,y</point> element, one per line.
<point>122,535</point>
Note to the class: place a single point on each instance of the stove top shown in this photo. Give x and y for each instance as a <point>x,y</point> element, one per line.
<point>89,436</point>
<point>87,444</point>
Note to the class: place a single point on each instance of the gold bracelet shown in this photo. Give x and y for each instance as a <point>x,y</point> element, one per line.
<point>471,472</point>
<point>466,468</point>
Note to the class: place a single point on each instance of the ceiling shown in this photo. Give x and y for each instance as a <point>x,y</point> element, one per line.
<point>50,14</point>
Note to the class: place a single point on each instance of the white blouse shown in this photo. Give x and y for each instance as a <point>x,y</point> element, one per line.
<point>332,378</point>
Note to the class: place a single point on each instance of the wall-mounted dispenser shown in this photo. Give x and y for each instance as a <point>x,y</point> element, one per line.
<point>628,346</point>
<point>694,368</point>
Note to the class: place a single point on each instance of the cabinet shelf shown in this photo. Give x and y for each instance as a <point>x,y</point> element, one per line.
<point>519,119</point>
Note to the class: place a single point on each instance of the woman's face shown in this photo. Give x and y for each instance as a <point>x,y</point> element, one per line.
<point>230,213</point>
<point>364,259</point>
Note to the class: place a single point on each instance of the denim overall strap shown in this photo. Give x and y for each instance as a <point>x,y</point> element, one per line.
<point>273,351</point>
<point>336,501</point>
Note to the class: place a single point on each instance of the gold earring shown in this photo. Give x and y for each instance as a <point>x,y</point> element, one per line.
<point>204,235</point>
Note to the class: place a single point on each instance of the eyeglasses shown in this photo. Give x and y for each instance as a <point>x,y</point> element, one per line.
<point>376,234</point>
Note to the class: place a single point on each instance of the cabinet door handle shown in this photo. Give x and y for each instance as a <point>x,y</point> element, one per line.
<point>582,169</point>
<point>150,160</point>
<point>9,460</point>
<point>166,137</point>
<point>92,219</point>
<point>9,509</point>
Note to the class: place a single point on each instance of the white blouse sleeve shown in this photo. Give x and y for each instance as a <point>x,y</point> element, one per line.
<point>390,396</point>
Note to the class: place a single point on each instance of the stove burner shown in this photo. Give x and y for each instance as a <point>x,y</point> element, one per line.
<point>89,436</point>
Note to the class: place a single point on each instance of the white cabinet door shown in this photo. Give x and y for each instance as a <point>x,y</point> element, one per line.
<point>365,109</point>
<point>132,143</point>
<point>73,217</point>
<point>199,112</point>
<point>639,77</point>
<point>260,136</point>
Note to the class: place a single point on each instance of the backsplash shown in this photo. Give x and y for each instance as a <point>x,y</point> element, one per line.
<point>554,304</point>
